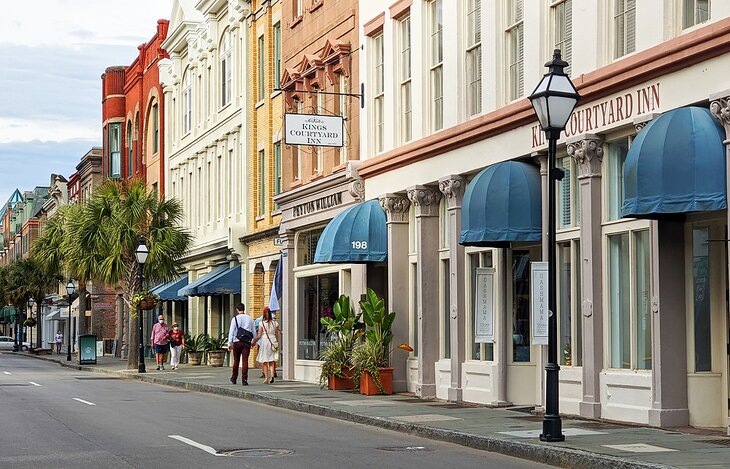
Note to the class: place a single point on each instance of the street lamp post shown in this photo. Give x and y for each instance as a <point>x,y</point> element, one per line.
<point>31,302</point>
<point>16,344</point>
<point>70,289</point>
<point>141,254</point>
<point>553,100</point>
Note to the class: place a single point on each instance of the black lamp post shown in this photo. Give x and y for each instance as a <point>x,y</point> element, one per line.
<point>70,289</point>
<point>553,100</point>
<point>16,343</point>
<point>141,254</point>
<point>31,302</point>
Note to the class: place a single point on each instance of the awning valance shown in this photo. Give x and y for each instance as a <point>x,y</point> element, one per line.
<point>227,282</point>
<point>169,291</point>
<point>358,234</point>
<point>502,204</point>
<point>191,288</point>
<point>8,311</point>
<point>676,164</point>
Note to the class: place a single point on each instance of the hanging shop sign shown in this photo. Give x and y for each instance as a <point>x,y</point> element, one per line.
<point>484,306</point>
<point>313,130</point>
<point>539,296</point>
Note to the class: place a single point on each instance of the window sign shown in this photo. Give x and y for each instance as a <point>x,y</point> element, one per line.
<point>484,306</point>
<point>313,130</point>
<point>539,294</point>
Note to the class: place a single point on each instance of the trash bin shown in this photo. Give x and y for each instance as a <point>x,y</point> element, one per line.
<point>87,349</point>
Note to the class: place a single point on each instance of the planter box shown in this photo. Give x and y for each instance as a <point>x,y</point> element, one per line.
<point>368,386</point>
<point>216,357</point>
<point>194,358</point>
<point>335,383</point>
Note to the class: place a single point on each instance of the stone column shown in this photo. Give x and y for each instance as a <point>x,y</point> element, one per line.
<point>452,187</point>
<point>396,209</point>
<point>288,301</point>
<point>587,152</point>
<point>426,202</point>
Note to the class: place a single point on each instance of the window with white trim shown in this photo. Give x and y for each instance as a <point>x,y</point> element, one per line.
<point>436,64</point>
<point>378,94</point>
<point>695,12</point>
<point>130,152</point>
<point>115,149</point>
<point>624,27</point>
<point>226,68</point>
<point>515,38</point>
<point>404,90</point>
<point>277,54</point>
<point>187,102</point>
<point>155,128</point>
<point>568,195</point>
<point>561,13</point>
<point>569,303</point>
<point>474,57</point>
<point>476,260</point>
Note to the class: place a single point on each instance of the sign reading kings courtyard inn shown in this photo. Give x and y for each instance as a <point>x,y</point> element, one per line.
<point>598,115</point>
<point>313,130</point>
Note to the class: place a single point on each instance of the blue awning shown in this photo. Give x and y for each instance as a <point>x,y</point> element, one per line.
<point>358,234</point>
<point>502,205</point>
<point>225,283</point>
<point>191,289</point>
<point>169,291</point>
<point>676,164</point>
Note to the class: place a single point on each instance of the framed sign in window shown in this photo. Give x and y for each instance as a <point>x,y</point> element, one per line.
<point>484,306</point>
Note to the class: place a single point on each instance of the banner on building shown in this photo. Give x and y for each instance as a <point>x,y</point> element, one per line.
<point>484,306</point>
<point>539,300</point>
<point>313,130</point>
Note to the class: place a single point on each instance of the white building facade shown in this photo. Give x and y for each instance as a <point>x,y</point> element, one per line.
<point>642,319</point>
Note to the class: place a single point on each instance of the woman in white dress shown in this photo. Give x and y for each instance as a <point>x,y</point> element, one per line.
<point>268,340</point>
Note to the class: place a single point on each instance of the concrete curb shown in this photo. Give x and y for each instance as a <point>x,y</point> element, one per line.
<point>548,454</point>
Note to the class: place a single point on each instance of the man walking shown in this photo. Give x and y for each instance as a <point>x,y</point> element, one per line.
<point>240,335</point>
<point>160,341</point>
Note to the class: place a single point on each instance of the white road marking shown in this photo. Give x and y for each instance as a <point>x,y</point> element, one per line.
<point>34,384</point>
<point>83,401</point>
<point>195,444</point>
<point>7,373</point>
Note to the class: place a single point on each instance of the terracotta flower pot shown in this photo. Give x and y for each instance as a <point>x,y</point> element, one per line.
<point>368,386</point>
<point>335,383</point>
<point>216,357</point>
<point>194,358</point>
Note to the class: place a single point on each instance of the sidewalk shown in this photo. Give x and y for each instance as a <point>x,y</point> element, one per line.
<point>510,431</point>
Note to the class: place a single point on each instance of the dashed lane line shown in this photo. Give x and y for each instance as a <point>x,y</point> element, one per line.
<point>195,444</point>
<point>34,383</point>
<point>83,401</point>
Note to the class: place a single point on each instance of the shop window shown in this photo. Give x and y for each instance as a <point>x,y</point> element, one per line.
<point>515,49</point>
<point>617,152</point>
<point>562,29</point>
<point>569,304</point>
<point>479,351</point>
<point>568,195</point>
<point>474,56</point>
<point>629,310</point>
<point>307,245</point>
<point>701,299</point>
<point>695,12</point>
<point>405,80</point>
<point>319,294</point>
<point>445,310</point>
<point>520,306</point>
<point>624,27</point>
<point>436,69</point>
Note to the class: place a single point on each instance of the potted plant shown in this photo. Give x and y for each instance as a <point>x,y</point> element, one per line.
<point>194,347</point>
<point>30,322</point>
<point>145,300</point>
<point>216,348</point>
<point>343,326</point>
<point>371,357</point>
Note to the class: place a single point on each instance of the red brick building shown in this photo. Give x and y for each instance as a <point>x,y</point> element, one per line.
<point>133,114</point>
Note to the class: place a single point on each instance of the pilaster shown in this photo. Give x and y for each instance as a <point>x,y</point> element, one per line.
<point>287,303</point>
<point>426,199</point>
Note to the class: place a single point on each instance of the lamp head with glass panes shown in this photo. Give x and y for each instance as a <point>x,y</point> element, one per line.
<point>70,288</point>
<point>142,251</point>
<point>554,98</point>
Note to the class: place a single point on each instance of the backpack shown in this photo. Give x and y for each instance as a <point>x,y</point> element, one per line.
<point>243,335</point>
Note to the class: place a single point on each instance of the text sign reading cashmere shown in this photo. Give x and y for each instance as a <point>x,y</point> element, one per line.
<point>484,306</point>
<point>314,130</point>
<point>539,294</point>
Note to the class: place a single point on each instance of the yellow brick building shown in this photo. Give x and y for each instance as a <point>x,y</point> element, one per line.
<point>265,145</point>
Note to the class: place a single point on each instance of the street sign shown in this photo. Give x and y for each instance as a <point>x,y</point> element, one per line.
<point>313,130</point>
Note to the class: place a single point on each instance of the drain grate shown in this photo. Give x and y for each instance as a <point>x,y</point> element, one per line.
<point>404,449</point>
<point>718,442</point>
<point>255,452</point>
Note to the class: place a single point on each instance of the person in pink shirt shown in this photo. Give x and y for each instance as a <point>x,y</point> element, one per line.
<point>160,341</point>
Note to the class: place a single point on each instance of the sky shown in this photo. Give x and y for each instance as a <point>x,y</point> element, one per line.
<point>52,55</point>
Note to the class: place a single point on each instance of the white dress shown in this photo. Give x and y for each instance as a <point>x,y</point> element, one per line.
<point>266,354</point>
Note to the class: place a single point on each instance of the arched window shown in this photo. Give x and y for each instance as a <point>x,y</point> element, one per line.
<point>226,68</point>
<point>187,103</point>
<point>130,153</point>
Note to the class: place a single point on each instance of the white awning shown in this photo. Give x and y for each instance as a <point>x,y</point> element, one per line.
<point>55,315</point>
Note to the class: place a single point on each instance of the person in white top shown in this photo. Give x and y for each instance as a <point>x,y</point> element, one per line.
<point>240,335</point>
<point>268,339</point>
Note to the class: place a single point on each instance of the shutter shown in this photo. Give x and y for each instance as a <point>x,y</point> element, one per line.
<point>565,194</point>
<point>520,58</point>
<point>630,25</point>
<point>568,34</point>
<point>477,21</point>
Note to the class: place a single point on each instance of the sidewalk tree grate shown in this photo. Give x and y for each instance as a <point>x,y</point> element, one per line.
<point>404,449</point>
<point>718,442</point>
<point>255,452</point>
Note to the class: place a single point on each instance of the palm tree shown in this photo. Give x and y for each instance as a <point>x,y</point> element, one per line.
<point>27,279</point>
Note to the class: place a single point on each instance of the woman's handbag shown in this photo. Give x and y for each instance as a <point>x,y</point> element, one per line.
<point>274,346</point>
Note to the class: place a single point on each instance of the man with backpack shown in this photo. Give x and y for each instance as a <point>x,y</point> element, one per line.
<point>240,335</point>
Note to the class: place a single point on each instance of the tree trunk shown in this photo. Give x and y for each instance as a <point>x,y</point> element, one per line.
<point>119,335</point>
<point>83,320</point>
<point>133,358</point>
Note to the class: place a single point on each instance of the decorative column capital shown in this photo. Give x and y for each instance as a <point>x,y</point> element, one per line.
<point>396,207</point>
<point>425,199</point>
<point>452,187</point>
<point>357,189</point>
<point>540,157</point>
<point>641,121</point>
<point>587,152</point>
<point>720,108</point>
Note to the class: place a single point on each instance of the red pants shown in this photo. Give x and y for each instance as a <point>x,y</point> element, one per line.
<point>240,351</point>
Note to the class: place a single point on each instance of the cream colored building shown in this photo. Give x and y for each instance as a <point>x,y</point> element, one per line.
<point>204,84</point>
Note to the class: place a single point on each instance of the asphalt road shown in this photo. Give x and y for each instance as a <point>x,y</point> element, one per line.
<point>53,417</point>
